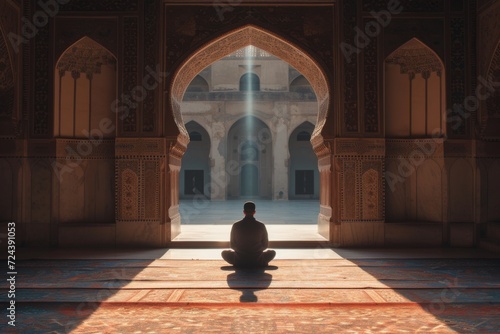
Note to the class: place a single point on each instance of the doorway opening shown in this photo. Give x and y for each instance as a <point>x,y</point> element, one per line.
<point>249,102</point>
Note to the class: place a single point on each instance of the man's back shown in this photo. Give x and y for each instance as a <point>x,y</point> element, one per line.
<point>249,236</point>
<point>248,241</point>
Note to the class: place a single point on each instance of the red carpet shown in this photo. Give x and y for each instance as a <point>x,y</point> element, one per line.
<point>292,296</point>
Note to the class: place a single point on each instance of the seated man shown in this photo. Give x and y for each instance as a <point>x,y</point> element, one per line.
<point>249,241</point>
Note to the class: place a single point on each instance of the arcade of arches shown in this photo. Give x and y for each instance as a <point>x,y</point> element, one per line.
<point>114,111</point>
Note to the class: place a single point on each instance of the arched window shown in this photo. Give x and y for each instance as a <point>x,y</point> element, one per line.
<point>414,91</point>
<point>301,85</point>
<point>85,88</point>
<point>303,136</point>
<point>249,82</point>
<point>195,136</point>
<point>198,85</point>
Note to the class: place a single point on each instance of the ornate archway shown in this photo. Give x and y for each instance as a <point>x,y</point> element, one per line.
<point>217,49</point>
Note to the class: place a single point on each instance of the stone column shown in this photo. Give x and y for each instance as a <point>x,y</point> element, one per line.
<point>218,175</point>
<point>281,154</point>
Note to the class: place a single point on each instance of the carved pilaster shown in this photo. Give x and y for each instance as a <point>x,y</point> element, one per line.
<point>370,86</point>
<point>130,68</point>
<point>139,162</point>
<point>350,63</point>
<point>151,34</point>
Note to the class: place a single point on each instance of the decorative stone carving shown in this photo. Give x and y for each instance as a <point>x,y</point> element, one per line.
<point>85,149</point>
<point>140,147</point>
<point>370,195</point>
<point>415,57</point>
<point>70,30</point>
<point>130,67</point>
<point>370,86</point>
<point>86,56</point>
<point>349,199</point>
<point>129,195</point>
<point>151,196</point>
<point>356,147</point>
<point>151,37</point>
<point>188,27</point>
<point>248,35</point>
<point>350,80</point>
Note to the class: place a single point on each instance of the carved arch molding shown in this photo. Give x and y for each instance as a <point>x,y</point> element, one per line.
<point>237,39</point>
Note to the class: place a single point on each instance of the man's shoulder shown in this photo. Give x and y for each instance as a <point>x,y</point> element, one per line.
<point>239,222</point>
<point>248,221</point>
<point>259,223</point>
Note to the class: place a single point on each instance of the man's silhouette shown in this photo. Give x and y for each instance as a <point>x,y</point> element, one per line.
<point>249,241</point>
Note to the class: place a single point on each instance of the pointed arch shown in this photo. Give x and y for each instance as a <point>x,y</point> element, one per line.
<point>198,84</point>
<point>303,173</point>
<point>195,170</point>
<point>300,85</point>
<point>84,90</point>
<point>414,91</point>
<point>267,41</point>
<point>249,82</point>
<point>490,118</point>
<point>415,56</point>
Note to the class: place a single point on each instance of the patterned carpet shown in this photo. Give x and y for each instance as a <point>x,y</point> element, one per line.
<point>292,296</point>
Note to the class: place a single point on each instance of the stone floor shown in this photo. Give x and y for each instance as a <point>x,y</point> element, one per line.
<point>211,221</point>
<point>302,212</point>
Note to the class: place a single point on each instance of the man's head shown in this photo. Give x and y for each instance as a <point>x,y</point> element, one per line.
<point>249,208</point>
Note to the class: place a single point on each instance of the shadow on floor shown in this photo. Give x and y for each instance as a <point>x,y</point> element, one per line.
<point>248,281</point>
